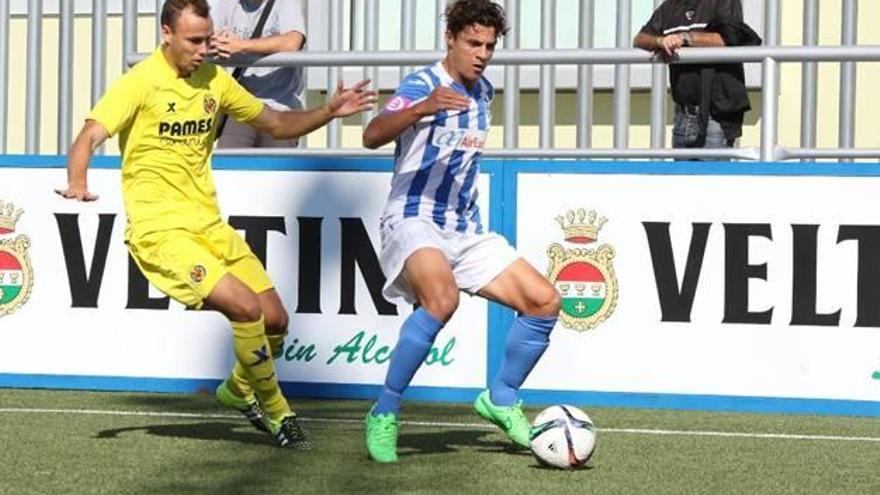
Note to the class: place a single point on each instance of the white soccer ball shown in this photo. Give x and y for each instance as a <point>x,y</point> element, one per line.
<point>563,436</point>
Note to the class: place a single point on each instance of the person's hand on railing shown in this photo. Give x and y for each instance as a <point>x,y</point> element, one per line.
<point>226,44</point>
<point>349,101</point>
<point>667,46</point>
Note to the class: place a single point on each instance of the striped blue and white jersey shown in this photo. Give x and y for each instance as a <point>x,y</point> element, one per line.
<point>437,159</point>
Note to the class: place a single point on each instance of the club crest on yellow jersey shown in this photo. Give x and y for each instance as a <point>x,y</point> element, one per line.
<point>209,104</point>
<point>198,274</point>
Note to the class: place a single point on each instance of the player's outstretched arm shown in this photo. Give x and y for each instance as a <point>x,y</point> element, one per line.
<point>90,138</point>
<point>295,123</point>
<point>386,126</point>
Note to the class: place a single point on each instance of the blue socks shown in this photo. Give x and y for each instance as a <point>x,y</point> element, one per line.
<point>527,340</point>
<point>416,338</point>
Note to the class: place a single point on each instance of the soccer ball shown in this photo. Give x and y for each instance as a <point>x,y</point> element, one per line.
<point>563,436</point>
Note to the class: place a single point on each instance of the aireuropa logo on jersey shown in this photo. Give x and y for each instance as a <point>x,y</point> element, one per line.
<point>16,272</point>
<point>459,139</point>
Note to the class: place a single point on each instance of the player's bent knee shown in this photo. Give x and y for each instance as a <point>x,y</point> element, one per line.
<point>245,311</point>
<point>546,302</point>
<point>276,322</point>
<point>442,306</point>
<point>555,303</point>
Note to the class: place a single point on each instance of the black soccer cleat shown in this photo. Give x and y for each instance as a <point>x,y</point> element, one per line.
<point>289,434</point>
<point>249,408</point>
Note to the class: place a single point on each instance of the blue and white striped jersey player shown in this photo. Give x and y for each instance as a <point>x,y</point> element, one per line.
<point>433,242</point>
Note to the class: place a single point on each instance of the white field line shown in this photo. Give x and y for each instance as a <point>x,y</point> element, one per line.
<point>438,424</point>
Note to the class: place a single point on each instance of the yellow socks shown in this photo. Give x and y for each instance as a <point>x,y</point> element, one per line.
<point>238,382</point>
<point>254,362</point>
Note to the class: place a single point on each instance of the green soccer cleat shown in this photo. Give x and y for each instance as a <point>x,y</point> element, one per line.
<point>511,420</point>
<point>288,433</point>
<point>250,408</point>
<point>382,437</point>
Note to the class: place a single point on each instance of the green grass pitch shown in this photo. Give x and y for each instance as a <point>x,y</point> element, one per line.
<point>65,442</point>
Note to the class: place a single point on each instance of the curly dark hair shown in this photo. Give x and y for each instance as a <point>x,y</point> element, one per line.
<point>172,9</point>
<point>463,13</point>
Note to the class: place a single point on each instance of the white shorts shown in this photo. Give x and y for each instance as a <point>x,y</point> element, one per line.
<point>476,259</point>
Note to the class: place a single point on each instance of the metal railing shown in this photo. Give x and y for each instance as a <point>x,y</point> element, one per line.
<point>769,56</point>
<point>512,58</point>
<point>622,57</point>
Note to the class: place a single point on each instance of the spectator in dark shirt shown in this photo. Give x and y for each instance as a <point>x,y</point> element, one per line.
<point>710,99</point>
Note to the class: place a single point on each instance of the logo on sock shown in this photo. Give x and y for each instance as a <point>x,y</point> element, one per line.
<point>16,272</point>
<point>262,355</point>
<point>584,277</point>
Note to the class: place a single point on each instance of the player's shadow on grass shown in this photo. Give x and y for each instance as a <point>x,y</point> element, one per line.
<point>228,432</point>
<point>197,402</point>
<point>447,442</point>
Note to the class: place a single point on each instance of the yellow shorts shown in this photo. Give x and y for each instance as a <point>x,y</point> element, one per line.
<point>187,266</point>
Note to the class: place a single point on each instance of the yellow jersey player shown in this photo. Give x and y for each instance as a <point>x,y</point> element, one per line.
<point>165,111</point>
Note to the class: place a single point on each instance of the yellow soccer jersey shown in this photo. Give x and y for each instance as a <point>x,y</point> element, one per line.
<point>166,126</point>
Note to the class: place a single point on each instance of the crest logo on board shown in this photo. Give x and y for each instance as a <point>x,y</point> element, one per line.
<point>584,277</point>
<point>16,272</point>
